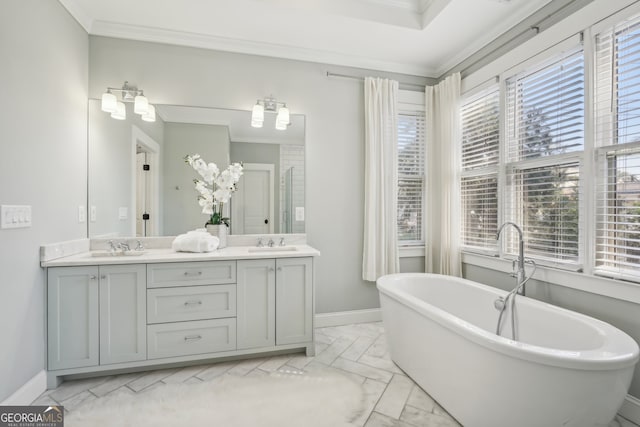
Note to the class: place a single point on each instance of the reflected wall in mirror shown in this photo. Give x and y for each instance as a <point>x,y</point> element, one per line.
<point>140,185</point>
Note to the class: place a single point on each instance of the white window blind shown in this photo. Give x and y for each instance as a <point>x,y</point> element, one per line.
<point>411,172</point>
<point>618,212</point>
<point>545,110</point>
<point>545,142</point>
<point>480,207</point>
<point>545,201</point>
<point>618,84</point>
<point>479,180</point>
<point>617,92</point>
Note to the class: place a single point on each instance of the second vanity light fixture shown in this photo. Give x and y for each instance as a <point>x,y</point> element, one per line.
<point>128,93</point>
<point>270,105</point>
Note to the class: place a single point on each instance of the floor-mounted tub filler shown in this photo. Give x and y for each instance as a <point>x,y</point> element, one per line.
<point>566,369</point>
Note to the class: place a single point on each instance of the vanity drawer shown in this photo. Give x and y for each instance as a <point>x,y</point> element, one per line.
<point>190,303</point>
<point>187,338</point>
<point>190,273</point>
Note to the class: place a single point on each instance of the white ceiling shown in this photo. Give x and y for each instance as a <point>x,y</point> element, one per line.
<point>418,37</point>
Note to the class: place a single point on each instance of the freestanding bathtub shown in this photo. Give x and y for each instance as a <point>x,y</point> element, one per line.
<point>566,370</point>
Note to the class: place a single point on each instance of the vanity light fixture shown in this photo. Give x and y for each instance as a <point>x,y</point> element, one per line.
<point>270,105</point>
<point>128,93</point>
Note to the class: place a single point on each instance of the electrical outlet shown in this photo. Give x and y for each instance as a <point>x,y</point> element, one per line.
<point>82,214</point>
<point>299,213</point>
<point>123,213</point>
<point>13,216</point>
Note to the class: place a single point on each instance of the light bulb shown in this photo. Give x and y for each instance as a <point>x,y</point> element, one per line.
<point>109,102</point>
<point>256,124</point>
<point>121,112</point>
<point>283,117</point>
<point>257,114</point>
<point>141,105</point>
<point>150,115</point>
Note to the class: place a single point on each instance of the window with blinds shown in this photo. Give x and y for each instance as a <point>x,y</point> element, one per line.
<point>411,173</point>
<point>617,113</point>
<point>480,119</point>
<point>545,143</point>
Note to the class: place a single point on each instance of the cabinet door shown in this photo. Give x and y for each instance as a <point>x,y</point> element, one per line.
<point>123,314</point>
<point>72,317</point>
<point>256,303</point>
<point>294,300</point>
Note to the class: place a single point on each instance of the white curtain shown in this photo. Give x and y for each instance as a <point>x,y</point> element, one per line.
<point>442,210</point>
<point>380,252</point>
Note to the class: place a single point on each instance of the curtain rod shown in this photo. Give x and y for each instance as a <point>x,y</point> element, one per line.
<point>348,76</point>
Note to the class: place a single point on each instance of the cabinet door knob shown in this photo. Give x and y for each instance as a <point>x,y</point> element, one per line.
<point>279,268</point>
<point>103,277</point>
<point>271,269</point>
<point>191,273</point>
<point>93,277</point>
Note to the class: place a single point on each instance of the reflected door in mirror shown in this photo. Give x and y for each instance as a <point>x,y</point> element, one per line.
<point>253,203</point>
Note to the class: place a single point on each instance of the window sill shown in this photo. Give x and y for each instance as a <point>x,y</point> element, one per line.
<point>411,251</point>
<point>626,291</point>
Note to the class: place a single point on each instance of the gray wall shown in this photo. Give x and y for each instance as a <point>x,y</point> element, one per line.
<point>621,314</point>
<point>43,163</point>
<point>110,174</point>
<point>181,209</point>
<point>334,136</point>
<point>261,153</point>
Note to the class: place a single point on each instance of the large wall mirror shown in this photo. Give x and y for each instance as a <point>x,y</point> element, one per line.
<point>140,185</point>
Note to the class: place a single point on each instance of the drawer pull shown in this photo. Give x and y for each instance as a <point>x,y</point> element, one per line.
<point>189,303</point>
<point>192,274</point>
<point>191,338</point>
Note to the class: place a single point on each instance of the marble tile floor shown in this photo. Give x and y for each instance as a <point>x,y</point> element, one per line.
<point>391,398</point>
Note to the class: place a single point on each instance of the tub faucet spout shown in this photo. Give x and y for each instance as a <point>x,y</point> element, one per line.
<point>520,274</point>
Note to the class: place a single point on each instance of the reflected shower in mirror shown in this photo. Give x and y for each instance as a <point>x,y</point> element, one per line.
<point>140,185</point>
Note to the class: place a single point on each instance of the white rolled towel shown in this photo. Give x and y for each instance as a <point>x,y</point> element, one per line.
<point>195,241</point>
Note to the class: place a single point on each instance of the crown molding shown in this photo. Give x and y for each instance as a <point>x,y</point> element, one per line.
<point>410,5</point>
<point>204,41</point>
<point>78,14</point>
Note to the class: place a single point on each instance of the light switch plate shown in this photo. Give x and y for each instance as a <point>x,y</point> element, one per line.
<point>15,216</point>
<point>123,213</point>
<point>299,213</point>
<point>82,214</point>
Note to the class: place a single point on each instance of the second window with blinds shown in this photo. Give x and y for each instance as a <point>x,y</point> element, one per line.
<point>535,182</point>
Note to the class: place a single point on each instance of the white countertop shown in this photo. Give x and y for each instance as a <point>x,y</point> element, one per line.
<point>169,255</point>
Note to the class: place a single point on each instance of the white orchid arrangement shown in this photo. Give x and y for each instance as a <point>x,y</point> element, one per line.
<point>215,187</point>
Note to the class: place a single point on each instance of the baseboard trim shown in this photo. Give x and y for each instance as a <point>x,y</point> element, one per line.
<point>631,409</point>
<point>29,391</point>
<point>323,320</point>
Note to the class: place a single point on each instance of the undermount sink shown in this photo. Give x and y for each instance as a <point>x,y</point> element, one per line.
<point>273,249</point>
<point>116,253</point>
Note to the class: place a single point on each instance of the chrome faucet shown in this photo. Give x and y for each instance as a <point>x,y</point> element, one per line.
<point>271,243</point>
<point>282,241</point>
<point>124,246</point>
<point>260,244</point>
<point>139,246</point>
<point>112,246</point>
<point>520,273</point>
